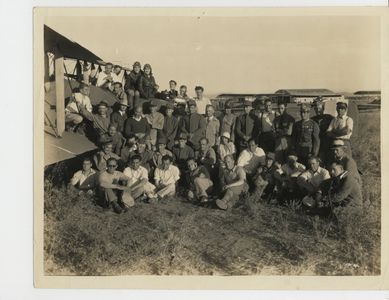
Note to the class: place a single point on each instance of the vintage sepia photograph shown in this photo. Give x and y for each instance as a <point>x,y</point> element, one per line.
<point>192,142</point>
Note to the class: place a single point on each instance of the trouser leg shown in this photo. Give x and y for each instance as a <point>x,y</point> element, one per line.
<point>127,198</point>
<point>232,195</point>
<point>131,94</point>
<point>202,185</point>
<point>136,193</point>
<point>260,185</point>
<point>168,190</point>
<point>73,118</point>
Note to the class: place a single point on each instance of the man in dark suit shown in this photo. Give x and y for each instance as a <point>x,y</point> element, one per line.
<point>193,125</point>
<point>246,123</point>
<point>343,192</point>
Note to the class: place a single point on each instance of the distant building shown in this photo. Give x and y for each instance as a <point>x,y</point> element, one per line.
<point>308,95</point>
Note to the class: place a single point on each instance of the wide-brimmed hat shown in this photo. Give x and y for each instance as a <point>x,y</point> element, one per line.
<point>123,102</point>
<point>337,144</point>
<point>292,156</point>
<point>226,135</point>
<point>102,103</point>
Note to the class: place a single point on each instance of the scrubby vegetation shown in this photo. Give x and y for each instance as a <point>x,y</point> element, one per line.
<point>177,237</point>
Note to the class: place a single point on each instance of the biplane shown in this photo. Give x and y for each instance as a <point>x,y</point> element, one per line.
<point>60,83</point>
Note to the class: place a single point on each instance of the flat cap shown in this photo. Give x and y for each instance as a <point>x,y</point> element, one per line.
<point>102,103</point>
<point>337,144</point>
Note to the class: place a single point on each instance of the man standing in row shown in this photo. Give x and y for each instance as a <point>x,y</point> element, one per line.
<point>201,100</point>
<point>283,127</point>
<point>194,125</point>
<point>323,120</point>
<point>245,125</point>
<point>341,127</point>
<point>305,136</point>
<point>267,136</point>
<point>212,131</point>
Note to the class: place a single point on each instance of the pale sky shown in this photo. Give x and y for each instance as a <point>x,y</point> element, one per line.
<point>238,54</point>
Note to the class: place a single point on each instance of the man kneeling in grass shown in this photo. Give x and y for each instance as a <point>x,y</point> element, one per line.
<point>286,178</point>
<point>84,180</point>
<point>166,177</point>
<point>138,181</point>
<point>199,181</point>
<point>113,189</point>
<point>233,183</point>
<point>312,179</point>
<point>344,193</point>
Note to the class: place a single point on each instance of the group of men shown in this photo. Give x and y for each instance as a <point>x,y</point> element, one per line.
<point>181,146</point>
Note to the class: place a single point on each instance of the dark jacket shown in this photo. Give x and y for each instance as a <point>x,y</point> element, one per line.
<point>147,87</point>
<point>283,125</point>
<point>170,127</point>
<point>346,191</point>
<point>246,125</point>
<point>133,126</point>
<point>132,80</point>
<point>194,124</point>
<point>306,139</point>
<point>351,167</point>
<point>118,119</point>
<point>181,155</point>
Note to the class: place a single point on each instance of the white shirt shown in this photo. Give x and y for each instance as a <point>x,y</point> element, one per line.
<point>135,175</point>
<point>225,150</point>
<point>246,156</point>
<point>82,100</point>
<point>166,177</point>
<point>101,79</point>
<point>316,178</point>
<point>79,177</point>
<point>202,104</point>
<point>339,123</point>
<point>267,119</point>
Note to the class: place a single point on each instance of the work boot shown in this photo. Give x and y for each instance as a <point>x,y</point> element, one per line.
<point>221,204</point>
<point>203,199</point>
<point>123,206</point>
<point>116,208</point>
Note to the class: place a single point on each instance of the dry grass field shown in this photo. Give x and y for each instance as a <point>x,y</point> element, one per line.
<point>254,238</point>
